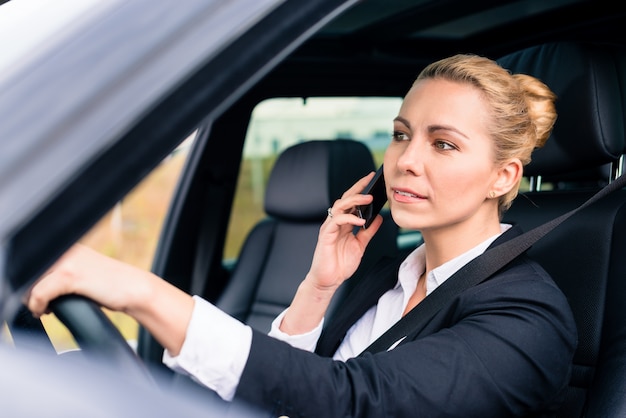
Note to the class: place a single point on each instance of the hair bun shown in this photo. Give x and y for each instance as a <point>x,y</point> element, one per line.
<point>541,109</point>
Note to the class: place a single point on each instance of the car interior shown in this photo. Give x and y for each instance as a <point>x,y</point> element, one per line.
<point>376,49</point>
<point>584,255</point>
<point>584,153</point>
<point>280,248</point>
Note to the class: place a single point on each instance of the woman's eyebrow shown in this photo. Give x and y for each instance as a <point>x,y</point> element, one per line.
<point>402,121</point>
<point>432,128</point>
<point>435,128</point>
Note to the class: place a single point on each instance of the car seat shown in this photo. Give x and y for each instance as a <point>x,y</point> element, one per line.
<point>586,254</point>
<point>306,180</point>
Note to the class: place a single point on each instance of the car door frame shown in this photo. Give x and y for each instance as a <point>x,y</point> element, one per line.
<point>117,157</point>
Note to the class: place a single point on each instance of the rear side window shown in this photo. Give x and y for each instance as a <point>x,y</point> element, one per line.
<point>279,123</point>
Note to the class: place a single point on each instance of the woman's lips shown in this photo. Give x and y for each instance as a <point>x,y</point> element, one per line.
<point>406,195</point>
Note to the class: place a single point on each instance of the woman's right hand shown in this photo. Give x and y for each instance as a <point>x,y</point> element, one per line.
<point>339,251</point>
<point>337,256</point>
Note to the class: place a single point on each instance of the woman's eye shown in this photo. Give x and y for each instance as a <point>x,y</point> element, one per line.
<point>443,145</point>
<point>399,136</point>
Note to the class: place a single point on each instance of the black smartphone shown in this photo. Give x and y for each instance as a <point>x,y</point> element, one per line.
<point>376,188</point>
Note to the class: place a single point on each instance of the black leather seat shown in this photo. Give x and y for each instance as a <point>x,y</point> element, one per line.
<point>586,254</point>
<point>306,179</point>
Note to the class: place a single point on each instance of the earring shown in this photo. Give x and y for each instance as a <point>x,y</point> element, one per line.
<point>492,194</point>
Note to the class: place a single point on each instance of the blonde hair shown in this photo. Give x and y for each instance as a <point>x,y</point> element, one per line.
<point>521,106</point>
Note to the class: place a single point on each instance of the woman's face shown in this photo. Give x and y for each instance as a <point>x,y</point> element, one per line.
<point>439,165</point>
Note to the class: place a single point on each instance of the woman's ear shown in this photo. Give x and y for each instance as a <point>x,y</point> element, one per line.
<point>509,176</point>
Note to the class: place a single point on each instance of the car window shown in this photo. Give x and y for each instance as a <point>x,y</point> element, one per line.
<point>279,123</point>
<point>129,232</point>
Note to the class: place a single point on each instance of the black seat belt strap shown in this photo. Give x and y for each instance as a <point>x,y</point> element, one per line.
<point>476,271</point>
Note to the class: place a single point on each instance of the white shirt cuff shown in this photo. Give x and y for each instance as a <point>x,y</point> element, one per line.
<point>306,341</point>
<point>215,350</point>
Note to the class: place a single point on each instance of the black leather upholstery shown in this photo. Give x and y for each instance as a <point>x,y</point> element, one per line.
<point>590,127</point>
<point>585,255</point>
<point>306,179</point>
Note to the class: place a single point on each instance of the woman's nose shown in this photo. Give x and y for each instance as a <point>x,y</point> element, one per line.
<point>411,160</point>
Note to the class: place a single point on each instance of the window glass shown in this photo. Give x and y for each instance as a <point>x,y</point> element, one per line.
<point>279,123</point>
<point>130,232</point>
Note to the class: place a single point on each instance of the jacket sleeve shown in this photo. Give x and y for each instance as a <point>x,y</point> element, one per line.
<point>502,348</point>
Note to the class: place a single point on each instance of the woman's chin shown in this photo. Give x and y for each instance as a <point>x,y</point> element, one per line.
<point>407,221</point>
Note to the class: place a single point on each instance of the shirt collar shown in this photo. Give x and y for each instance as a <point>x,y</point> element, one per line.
<point>415,264</point>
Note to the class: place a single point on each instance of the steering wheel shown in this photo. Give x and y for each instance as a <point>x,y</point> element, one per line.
<point>98,338</point>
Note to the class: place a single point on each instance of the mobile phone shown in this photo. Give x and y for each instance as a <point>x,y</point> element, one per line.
<point>376,187</point>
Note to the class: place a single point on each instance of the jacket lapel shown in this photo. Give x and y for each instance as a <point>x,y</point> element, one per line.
<point>362,297</point>
<point>366,293</point>
<point>416,320</point>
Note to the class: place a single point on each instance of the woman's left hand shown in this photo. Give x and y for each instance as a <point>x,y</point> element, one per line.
<point>162,308</point>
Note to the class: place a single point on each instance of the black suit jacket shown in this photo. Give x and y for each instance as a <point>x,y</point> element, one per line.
<point>501,348</point>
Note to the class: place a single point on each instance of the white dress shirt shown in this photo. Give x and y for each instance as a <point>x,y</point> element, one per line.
<point>216,346</point>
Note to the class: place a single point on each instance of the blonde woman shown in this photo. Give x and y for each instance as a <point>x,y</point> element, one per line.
<point>502,348</point>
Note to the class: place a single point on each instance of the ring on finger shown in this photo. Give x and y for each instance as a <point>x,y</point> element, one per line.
<point>330,212</point>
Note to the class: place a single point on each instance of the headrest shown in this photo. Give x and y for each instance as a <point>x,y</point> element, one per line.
<point>308,177</point>
<point>589,130</point>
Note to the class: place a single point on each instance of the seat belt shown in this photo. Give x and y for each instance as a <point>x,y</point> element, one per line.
<point>475,272</point>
